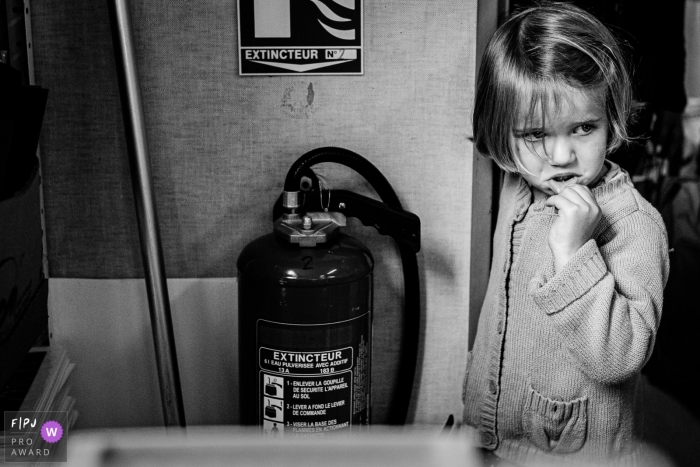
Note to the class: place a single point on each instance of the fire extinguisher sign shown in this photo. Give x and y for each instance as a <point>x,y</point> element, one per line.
<point>300,37</point>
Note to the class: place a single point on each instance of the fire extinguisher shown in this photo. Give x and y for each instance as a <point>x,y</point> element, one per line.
<point>305,306</point>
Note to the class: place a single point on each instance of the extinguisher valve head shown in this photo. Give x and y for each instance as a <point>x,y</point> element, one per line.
<point>310,229</point>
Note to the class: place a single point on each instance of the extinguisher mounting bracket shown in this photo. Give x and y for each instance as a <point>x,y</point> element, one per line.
<point>309,229</point>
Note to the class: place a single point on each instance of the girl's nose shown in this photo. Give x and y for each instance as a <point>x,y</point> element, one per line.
<point>560,151</point>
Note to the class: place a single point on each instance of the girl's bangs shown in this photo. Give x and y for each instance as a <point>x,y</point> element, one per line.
<point>536,95</point>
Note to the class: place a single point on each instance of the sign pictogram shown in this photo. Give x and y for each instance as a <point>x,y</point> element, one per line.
<point>300,37</point>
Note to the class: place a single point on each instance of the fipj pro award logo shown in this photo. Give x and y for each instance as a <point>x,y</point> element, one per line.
<point>36,437</point>
<point>300,37</point>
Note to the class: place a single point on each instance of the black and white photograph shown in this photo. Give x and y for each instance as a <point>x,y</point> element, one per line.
<point>350,233</point>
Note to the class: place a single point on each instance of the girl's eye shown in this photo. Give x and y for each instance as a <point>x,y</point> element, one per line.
<point>533,136</point>
<point>584,129</point>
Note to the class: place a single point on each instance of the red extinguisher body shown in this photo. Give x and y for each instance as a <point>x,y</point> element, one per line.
<point>305,323</point>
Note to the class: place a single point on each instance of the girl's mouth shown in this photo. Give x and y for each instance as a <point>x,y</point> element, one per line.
<point>563,177</point>
<point>559,182</point>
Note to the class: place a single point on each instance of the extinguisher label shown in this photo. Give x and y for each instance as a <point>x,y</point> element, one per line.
<point>308,406</point>
<point>311,392</point>
<point>306,363</point>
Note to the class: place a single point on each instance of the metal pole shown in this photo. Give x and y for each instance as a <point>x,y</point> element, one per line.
<point>152,253</point>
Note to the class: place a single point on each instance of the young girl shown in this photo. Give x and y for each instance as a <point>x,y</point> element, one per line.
<point>580,258</point>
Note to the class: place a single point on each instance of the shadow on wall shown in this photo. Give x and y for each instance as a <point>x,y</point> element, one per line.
<point>675,363</point>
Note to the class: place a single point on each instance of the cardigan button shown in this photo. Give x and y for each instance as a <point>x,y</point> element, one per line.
<point>492,387</point>
<point>487,438</point>
<point>499,327</point>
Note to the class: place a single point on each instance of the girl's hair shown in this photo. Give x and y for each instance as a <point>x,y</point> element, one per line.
<point>542,53</point>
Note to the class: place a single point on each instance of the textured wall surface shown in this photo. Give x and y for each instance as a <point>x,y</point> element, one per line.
<point>221,144</point>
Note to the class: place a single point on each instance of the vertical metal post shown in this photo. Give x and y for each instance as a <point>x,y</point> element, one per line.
<point>156,285</point>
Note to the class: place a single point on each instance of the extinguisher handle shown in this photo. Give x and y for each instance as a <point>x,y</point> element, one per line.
<point>402,226</point>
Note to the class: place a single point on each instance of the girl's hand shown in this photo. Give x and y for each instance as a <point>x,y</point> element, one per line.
<point>578,216</point>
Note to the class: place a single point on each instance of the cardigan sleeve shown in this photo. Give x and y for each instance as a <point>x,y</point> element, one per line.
<point>606,302</point>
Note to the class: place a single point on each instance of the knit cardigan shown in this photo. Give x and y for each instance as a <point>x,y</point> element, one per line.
<point>555,369</point>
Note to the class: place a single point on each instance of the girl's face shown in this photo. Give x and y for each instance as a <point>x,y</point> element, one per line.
<point>568,149</point>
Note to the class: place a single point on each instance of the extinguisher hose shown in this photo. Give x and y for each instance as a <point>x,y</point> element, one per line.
<point>399,405</point>
<point>349,159</point>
